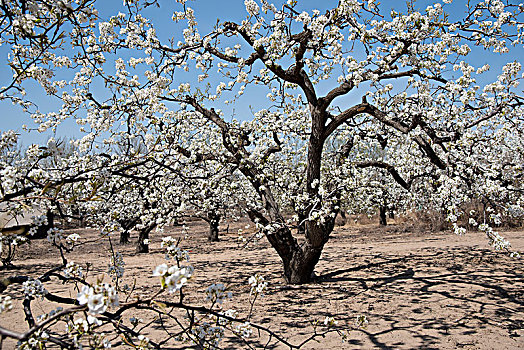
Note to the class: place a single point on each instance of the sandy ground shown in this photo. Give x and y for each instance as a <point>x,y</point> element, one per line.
<point>417,290</point>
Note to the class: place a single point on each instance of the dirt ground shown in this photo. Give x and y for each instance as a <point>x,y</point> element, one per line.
<point>418,290</point>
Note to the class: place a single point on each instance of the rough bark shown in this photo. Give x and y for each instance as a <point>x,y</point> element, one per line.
<point>298,261</point>
<point>299,269</point>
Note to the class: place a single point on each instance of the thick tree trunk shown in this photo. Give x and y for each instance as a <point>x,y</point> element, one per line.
<point>142,245</point>
<point>299,261</point>
<point>382,215</point>
<point>300,268</point>
<point>213,219</point>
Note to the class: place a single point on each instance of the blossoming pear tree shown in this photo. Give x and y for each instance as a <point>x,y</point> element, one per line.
<point>409,80</point>
<point>342,100</point>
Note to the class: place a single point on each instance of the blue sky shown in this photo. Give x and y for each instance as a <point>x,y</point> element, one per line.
<point>207,12</point>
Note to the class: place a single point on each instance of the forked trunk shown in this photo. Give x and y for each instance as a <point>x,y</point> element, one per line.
<point>299,261</point>
<point>301,267</point>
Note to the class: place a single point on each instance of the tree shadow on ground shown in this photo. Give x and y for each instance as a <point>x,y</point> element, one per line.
<point>428,297</point>
<point>482,288</point>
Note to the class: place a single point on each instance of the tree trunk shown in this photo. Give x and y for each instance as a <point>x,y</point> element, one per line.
<point>300,268</point>
<point>142,245</point>
<point>124,237</point>
<point>299,261</point>
<point>382,214</point>
<point>127,225</point>
<point>342,220</point>
<point>41,231</point>
<point>213,219</point>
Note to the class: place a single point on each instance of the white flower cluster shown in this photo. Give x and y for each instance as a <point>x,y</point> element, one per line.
<point>496,240</point>
<point>9,176</point>
<point>217,293</point>
<point>496,218</point>
<point>244,330</point>
<point>173,278</point>
<point>452,217</point>
<point>6,303</point>
<point>208,334</point>
<point>73,270</point>
<point>241,238</point>
<point>79,327</point>
<point>24,24</point>
<point>321,215</point>
<point>515,211</point>
<point>173,251</point>
<point>98,299</point>
<point>8,140</point>
<point>228,313</point>
<point>330,321</point>
<point>144,343</point>
<point>72,238</point>
<point>458,230</point>
<point>258,284</point>
<point>34,288</point>
<point>37,341</point>
<point>252,7</point>
<point>55,235</point>
<point>38,220</point>
<point>11,240</point>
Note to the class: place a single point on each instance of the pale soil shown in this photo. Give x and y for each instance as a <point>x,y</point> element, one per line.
<point>417,290</point>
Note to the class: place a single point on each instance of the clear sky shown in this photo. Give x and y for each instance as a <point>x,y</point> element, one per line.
<point>207,12</point>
